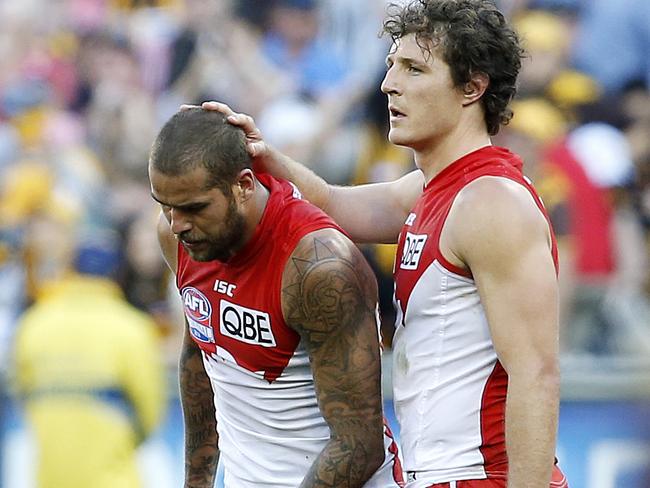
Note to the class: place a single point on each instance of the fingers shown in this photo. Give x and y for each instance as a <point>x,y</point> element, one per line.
<point>256,148</point>
<point>244,121</point>
<point>218,107</point>
<point>255,145</point>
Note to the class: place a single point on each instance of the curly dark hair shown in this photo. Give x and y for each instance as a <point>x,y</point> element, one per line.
<point>474,37</point>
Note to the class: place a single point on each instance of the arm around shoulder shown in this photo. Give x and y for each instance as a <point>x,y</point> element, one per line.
<point>375,212</point>
<point>368,213</point>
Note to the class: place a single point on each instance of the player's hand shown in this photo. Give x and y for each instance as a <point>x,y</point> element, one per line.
<point>255,145</point>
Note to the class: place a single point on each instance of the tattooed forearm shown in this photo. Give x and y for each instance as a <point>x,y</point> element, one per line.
<point>201,452</point>
<point>329,296</point>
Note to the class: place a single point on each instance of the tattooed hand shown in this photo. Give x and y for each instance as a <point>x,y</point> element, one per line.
<point>329,296</point>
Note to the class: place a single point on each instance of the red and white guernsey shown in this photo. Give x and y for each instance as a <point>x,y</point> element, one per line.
<point>449,387</point>
<point>270,427</point>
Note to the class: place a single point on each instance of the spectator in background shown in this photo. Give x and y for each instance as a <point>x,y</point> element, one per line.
<point>613,42</point>
<point>583,174</point>
<point>545,73</point>
<point>89,371</point>
<point>293,44</point>
<point>594,159</point>
<point>240,72</point>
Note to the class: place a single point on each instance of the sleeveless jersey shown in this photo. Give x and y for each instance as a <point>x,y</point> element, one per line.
<point>449,387</point>
<point>269,424</point>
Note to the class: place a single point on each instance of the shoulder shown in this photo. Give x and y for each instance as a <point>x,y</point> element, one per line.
<point>325,243</point>
<point>497,195</point>
<point>324,253</point>
<point>326,275</point>
<point>494,213</point>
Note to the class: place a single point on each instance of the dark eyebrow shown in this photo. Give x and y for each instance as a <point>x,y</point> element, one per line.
<point>404,61</point>
<point>186,206</point>
<point>411,61</point>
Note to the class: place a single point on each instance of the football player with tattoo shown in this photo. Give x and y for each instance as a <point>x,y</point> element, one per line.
<point>282,339</point>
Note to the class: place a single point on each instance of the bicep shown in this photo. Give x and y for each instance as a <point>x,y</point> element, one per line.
<point>504,239</point>
<point>375,212</point>
<point>329,297</point>
<point>521,304</point>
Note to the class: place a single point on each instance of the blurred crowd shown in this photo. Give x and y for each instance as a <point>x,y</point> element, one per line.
<point>86,84</point>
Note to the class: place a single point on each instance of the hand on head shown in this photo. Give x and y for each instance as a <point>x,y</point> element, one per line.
<point>255,144</point>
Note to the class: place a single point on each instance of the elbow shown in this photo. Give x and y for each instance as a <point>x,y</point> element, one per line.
<point>376,452</point>
<point>548,379</point>
<point>364,450</point>
<point>548,369</point>
<point>543,372</point>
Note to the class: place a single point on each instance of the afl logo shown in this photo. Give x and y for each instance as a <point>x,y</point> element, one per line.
<point>198,312</point>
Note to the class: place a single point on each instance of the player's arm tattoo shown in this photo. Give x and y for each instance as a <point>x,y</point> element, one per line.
<point>329,296</point>
<point>201,451</point>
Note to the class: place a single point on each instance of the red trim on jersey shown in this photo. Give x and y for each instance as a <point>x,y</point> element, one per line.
<point>450,267</point>
<point>392,448</point>
<point>493,431</point>
<point>558,480</point>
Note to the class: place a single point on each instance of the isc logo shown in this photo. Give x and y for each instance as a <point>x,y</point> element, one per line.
<point>413,245</point>
<point>245,324</point>
<point>224,287</point>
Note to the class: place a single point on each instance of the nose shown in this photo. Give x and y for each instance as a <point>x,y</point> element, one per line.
<point>389,84</point>
<point>179,222</point>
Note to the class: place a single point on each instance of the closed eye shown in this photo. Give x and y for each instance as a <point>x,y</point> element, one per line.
<point>193,208</point>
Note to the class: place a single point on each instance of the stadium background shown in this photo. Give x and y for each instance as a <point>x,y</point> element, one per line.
<point>86,84</point>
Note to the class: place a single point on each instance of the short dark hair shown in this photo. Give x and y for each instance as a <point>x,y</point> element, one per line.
<point>475,37</point>
<point>197,137</point>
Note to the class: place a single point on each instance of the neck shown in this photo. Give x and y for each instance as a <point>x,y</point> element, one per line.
<point>434,156</point>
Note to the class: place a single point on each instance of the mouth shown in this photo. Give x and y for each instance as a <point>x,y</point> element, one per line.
<point>192,244</point>
<point>395,113</point>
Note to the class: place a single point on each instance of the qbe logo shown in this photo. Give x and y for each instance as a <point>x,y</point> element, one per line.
<point>198,312</point>
<point>412,252</point>
<point>245,324</point>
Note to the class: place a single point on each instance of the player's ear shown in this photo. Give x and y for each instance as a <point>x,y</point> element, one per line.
<point>244,186</point>
<point>474,89</point>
